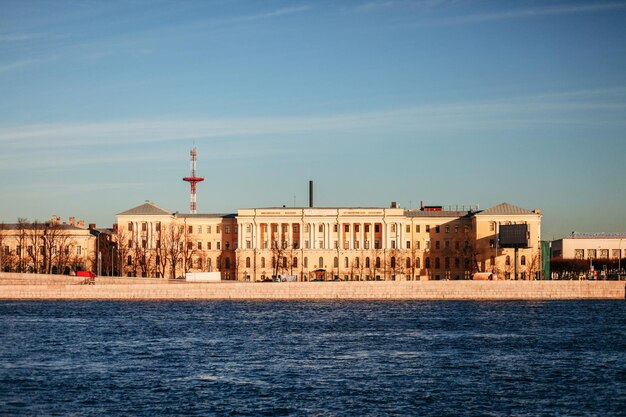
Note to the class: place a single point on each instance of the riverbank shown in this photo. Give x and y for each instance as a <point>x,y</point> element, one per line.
<point>41,287</point>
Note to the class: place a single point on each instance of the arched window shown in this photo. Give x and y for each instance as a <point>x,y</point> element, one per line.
<point>129,260</point>
<point>417,262</point>
<point>199,263</point>
<point>357,262</point>
<point>305,262</point>
<point>227,263</point>
<point>248,262</point>
<point>393,261</point>
<point>295,262</point>
<point>262,262</point>
<point>346,262</point>
<point>284,262</point>
<point>508,260</point>
<point>321,262</point>
<point>378,262</point>
<point>427,262</point>
<point>367,262</point>
<point>209,265</point>
<point>408,262</point>
<point>336,262</point>
<point>437,263</point>
<point>522,260</point>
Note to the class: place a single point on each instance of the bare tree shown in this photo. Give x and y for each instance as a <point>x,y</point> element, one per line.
<point>35,245</point>
<point>173,241</point>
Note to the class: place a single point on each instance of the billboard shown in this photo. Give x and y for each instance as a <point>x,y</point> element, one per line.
<point>514,235</point>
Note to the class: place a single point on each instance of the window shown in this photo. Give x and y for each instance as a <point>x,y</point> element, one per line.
<point>522,260</point>
<point>366,244</point>
<point>393,244</point>
<point>227,245</point>
<point>320,228</point>
<point>492,226</point>
<point>427,263</point>
<point>346,228</point>
<point>208,245</point>
<point>393,261</point>
<point>417,228</point>
<point>376,244</point>
<point>296,228</point>
<point>616,253</point>
<point>367,262</point>
<point>199,245</point>
<point>321,244</point>
<point>604,253</point>
<point>274,228</point>
<point>346,245</point>
<point>457,263</point>
<point>227,230</point>
<point>437,263</point>
<point>417,262</point>
<point>190,229</point>
<point>345,262</point>
<point>427,244</point>
<point>199,229</point>
<point>591,253</point>
<point>158,226</point>
<point>144,227</point>
<point>144,243</point>
<point>408,244</point>
<point>284,262</point>
<point>408,262</point>
<point>335,227</point>
<point>447,243</point>
<point>579,253</point>
<point>456,228</point>
<point>376,228</point>
<point>130,226</point>
<point>446,262</point>
<point>393,228</point>
<point>437,245</point>
<point>321,262</point>
<point>307,245</point>
<point>427,228</point>
<point>262,262</point>
<point>217,228</point>
<point>129,260</point>
<point>408,228</point>
<point>236,229</point>
<point>227,263</point>
<point>378,262</point>
<point>305,262</point>
<point>130,244</point>
<point>356,228</point>
<point>208,229</point>
<point>492,243</point>
<point>248,228</point>
<point>447,229</point>
<point>357,262</point>
<point>507,262</point>
<point>367,228</point>
<point>356,244</point>
<point>199,263</point>
<point>78,249</point>
<point>417,244</point>
<point>248,244</point>
<point>218,245</point>
<point>295,262</point>
<point>437,229</point>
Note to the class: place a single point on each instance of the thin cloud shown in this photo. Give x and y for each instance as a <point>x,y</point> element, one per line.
<point>18,64</point>
<point>20,37</point>
<point>531,12</point>
<point>573,107</point>
<point>270,15</point>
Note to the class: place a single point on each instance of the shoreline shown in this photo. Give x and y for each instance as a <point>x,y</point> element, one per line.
<point>40,287</point>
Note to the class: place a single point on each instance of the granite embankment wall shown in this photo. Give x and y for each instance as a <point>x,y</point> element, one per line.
<point>25,287</point>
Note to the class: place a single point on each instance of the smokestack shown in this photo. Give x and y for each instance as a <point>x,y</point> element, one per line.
<point>310,194</point>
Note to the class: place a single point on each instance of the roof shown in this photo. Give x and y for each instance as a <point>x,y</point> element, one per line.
<point>40,226</point>
<point>504,209</point>
<point>146,209</point>
<point>424,213</point>
<point>206,215</point>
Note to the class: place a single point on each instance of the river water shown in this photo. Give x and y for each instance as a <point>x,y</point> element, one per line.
<point>340,358</point>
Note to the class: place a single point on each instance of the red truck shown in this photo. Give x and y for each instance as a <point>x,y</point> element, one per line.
<point>90,277</point>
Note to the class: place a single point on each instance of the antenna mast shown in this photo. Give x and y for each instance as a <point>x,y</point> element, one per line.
<point>193,180</point>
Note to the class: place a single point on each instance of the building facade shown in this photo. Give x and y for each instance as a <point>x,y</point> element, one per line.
<point>50,247</point>
<point>590,246</point>
<point>326,243</point>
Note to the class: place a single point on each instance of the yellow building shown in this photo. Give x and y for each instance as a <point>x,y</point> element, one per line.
<point>49,247</point>
<point>154,242</point>
<point>383,243</point>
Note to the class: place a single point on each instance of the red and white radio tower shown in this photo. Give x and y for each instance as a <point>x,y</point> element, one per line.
<point>193,180</point>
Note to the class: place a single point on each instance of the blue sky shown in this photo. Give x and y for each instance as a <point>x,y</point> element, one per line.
<point>446,102</point>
